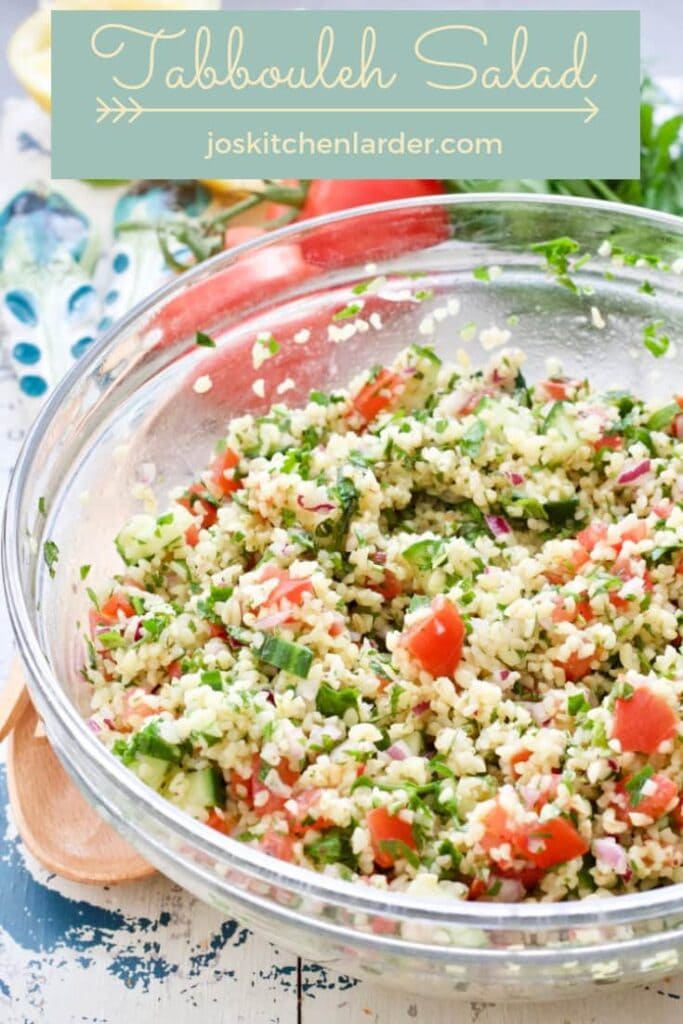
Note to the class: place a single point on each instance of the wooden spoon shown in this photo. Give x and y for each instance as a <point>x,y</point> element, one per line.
<point>56,823</point>
<point>14,700</point>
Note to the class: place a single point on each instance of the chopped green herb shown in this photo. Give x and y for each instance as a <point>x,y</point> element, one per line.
<point>204,340</point>
<point>51,556</point>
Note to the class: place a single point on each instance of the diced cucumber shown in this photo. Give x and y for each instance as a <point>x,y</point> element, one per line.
<point>414,743</point>
<point>144,536</point>
<point>206,788</point>
<point>565,439</point>
<point>151,770</point>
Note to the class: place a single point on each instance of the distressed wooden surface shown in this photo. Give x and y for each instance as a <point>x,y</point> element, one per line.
<point>71,954</point>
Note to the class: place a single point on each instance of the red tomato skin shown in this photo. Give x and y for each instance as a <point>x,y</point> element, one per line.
<point>254,785</point>
<point>288,588</point>
<point>220,473</point>
<point>436,640</point>
<point>384,827</point>
<point>572,610</point>
<point>552,842</point>
<point>565,571</point>
<point>575,668</point>
<point>108,612</point>
<point>383,234</point>
<point>677,815</point>
<point>217,822</point>
<point>654,805</point>
<point>643,721</point>
<point>377,395</point>
<point>192,536</point>
<point>390,587</point>
<point>557,389</point>
<point>276,844</point>
<point>608,442</point>
<point>592,535</point>
<point>253,277</point>
<point>304,802</point>
<point>175,670</point>
<point>197,505</point>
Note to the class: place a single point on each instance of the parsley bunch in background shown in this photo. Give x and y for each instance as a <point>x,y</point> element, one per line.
<point>659,187</point>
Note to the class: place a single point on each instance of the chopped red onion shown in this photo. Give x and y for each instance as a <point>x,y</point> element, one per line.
<point>398,751</point>
<point>498,525</point>
<point>509,890</point>
<point>324,506</point>
<point>109,724</point>
<point>379,558</point>
<point>530,795</point>
<point>611,854</point>
<point>419,709</point>
<point>93,725</point>
<point>273,619</point>
<point>635,472</point>
<point>516,479</point>
<point>409,371</point>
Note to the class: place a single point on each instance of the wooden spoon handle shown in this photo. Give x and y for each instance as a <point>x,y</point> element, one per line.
<point>14,699</point>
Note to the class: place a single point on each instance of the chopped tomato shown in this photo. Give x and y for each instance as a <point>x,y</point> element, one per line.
<point>217,631</point>
<point>436,640</point>
<point>635,532</point>
<point>390,586</point>
<point>662,508</point>
<point>608,442</point>
<point>643,721</point>
<point>109,612</point>
<point>553,842</point>
<point>575,667</point>
<point>221,477</point>
<point>136,704</point>
<point>625,568</point>
<point>676,428</point>
<point>377,395</point>
<point>336,628</point>
<point>677,815</point>
<point>276,844</point>
<point>385,829</point>
<point>193,501</point>
<point>559,389</point>
<point>498,830</point>
<point>192,535</point>
<point>218,822</point>
<point>565,570</point>
<point>304,818</point>
<point>592,535</point>
<point>175,670</point>
<point>249,789</point>
<point>572,610</point>
<point>477,889</point>
<point>654,804</point>
<point>520,757</point>
<point>287,589</point>
<point>473,400</point>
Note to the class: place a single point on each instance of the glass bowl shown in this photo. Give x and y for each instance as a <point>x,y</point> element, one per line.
<point>132,411</point>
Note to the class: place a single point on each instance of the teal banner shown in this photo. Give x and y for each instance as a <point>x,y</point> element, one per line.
<point>346,94</point>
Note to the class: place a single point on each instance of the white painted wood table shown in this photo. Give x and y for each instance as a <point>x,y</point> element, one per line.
<point>151,953</point>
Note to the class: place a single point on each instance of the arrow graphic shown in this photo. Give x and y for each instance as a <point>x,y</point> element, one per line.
<point>118,110</point>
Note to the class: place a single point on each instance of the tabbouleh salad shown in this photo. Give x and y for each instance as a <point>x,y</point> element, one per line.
<point>423,632</point>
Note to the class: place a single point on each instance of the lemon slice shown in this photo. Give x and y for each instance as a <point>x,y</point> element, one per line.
<point>28,55</point>
<point>28,52</point>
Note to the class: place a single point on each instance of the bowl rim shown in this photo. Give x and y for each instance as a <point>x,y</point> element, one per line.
<point>51,700</point>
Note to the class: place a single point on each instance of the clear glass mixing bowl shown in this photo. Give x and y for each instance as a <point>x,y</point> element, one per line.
<point>129,410</point>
